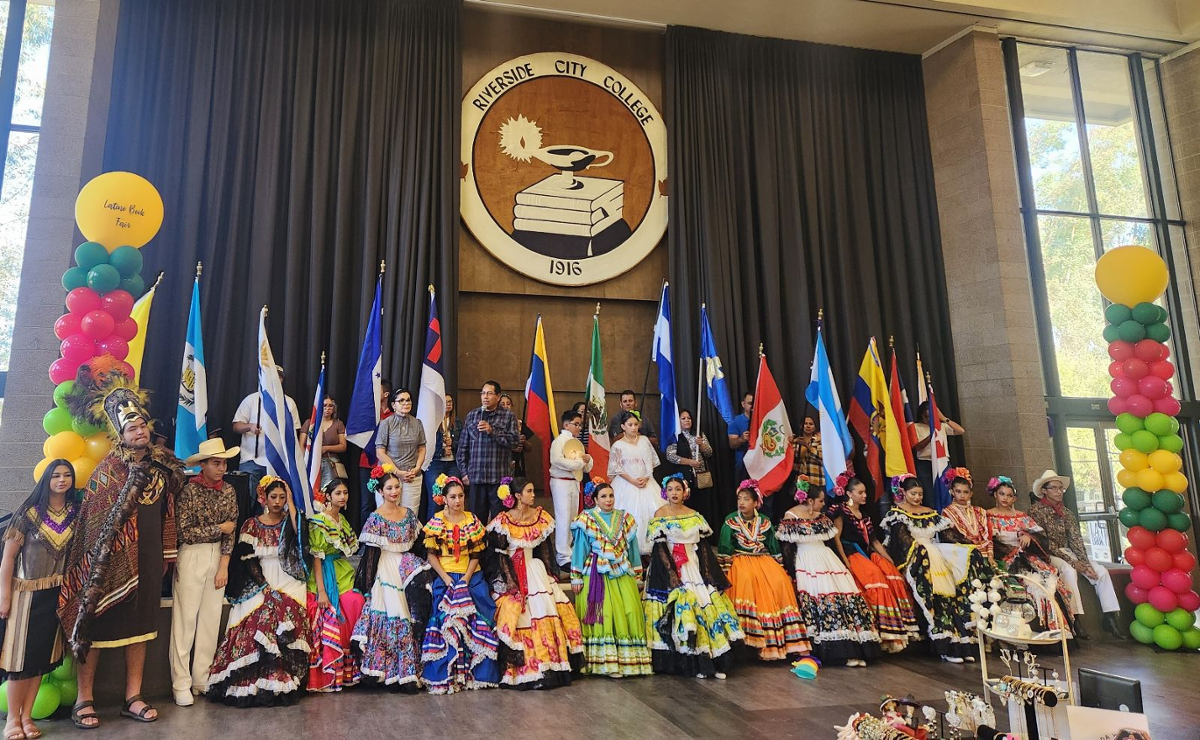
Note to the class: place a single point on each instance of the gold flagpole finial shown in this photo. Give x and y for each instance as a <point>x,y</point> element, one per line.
<point>928,379</point>
<point>265,310</point>
<point>158,280</point>
<point>322,358</point>
<point>760,350</point>
<point>199,269</point>
<point>820,314</point>
<point>382,266</point>
<point>891,341</point>
<point>597,308</point>
<point>431,289</point>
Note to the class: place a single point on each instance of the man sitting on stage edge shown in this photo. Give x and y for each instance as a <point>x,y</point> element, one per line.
<point>485,450</point>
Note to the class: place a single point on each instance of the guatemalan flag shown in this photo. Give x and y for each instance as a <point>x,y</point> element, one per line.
<point>284,455</point>
<point>714,373</point>
<point>668,424</point>
<point>939,456</point>
<point>822,393</point>
<point>431,406</point>
<point>312,442</point>
<point>191,414</point>
<point>770,454</point>
<point>362,417</point>
<point>539,399</point>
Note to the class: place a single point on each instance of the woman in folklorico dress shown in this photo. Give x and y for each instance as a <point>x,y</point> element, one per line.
<point>861,549</point>
<point>691,624</point>
<point>631,464</point>
<point>540,637</point>
<point>840,624</point>
<point>760,589</point>
<point>333,604</point>
<point>459,651</point>
<point>938,573</point>
<point>605,565</point>
<point>263,657</point>
<point>390,630</point>
<point>970,522</point>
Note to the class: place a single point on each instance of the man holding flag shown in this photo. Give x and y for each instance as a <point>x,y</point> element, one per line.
<point>277,422</point>
<point>837,447</point>
<point>247,422</point>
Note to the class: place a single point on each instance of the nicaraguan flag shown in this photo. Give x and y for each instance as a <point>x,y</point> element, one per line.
<point>668,424</point>
<point>284,455</point>
<point>362,416</point>
<point>835,435</point>
<point>191,414</point>
<point>431,406</point>
<point>714,373</point>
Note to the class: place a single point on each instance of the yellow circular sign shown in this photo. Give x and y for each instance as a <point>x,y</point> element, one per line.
<point>118,209</point>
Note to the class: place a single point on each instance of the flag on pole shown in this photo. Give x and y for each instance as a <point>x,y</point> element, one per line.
<point>278,426</point>
<point>769,453</point>
<point>312,443</point>
<point>668,428</point>
<point>597,410</point>
<point>362,416</point>
<point>835,435</point>
<point>191,413</point>
<point>431,409</point>
<point>938,456</point>
<point>539,399</point>
<point>141,316</point>
<point>922,396</point>
<point>898,439</point>
<point>868,410</point>
<point>714,373</point>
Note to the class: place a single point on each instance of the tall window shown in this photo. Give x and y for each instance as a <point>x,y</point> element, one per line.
<point>1088,129</point>
<point>24,58</point>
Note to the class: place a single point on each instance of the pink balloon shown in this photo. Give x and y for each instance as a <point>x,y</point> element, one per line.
<point>127,369</point>
<point>1143,576</point>
<point>126,329</point>
<point>97,324</point>
<point>1178,581</point>
<point>1116,369</point>
<point>77,349</point>
<point>1163,599</point>
<point>1168,405</point>
<point>82,301</point>
<point>1163,369</point>
<point>115,346</point>
<point>66,325</point>
<point>1171,540</point>
<point>1136,595</point>
<point>62,370</point>
<point>1158,559</point>
<point>118,303</point>
<point>1117,405</point>
<point>1152,387</point>
<point>1189,601</point>
<point>1184,561</point>
<point>1120,350</point>
<point>1139,405</point>
<point>1148,350</point>
<point>1135,368</point>
<point>1123,387</point>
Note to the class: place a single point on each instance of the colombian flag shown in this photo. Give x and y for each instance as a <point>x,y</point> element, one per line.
<point>539,400</point>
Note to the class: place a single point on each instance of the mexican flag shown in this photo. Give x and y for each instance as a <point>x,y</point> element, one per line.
<point>770,454</point>
<point>597,412</point>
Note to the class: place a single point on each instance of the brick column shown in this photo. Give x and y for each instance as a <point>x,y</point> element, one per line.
<point>70,148</point>
<point>1000,386</point>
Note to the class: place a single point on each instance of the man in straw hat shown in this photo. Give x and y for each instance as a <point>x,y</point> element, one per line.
<point>568,463</point>
<point>1067,551</point>
<point>207,515</point>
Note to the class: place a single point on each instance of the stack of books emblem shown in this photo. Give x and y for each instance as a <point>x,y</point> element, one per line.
<point>545,212</point>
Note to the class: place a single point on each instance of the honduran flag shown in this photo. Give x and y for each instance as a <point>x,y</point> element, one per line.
<point>770,454</point>
<point>539,400</point>
<point>898,439</point>
<point>868,410</point>
<point>668,421</point>
<point>431,407</point>
<point>312,443</point>
<point>939,456</point>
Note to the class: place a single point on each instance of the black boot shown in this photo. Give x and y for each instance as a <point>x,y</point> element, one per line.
<point>1080,632</point>
<point>1112,626</point>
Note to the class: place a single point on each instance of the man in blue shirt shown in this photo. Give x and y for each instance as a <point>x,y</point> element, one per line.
<point>485,450</point>
<point>739,435</point>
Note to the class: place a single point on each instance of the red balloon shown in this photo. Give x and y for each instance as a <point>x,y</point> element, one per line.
<point>1171,540</point>
<point>1159,559</point>
<point>1116,369</point>
<point>118,303</point>
<point>1163,369</point>
<point>1163,599</point>
<point>1136,595</point>
<point>1178,581</point>
<point>1142,538</point>
<point>1148,350</point>
<point>1135,368</point>
<point>66,325</point>
<point>1189,601</point>
<point>1184,561</point>
<point>1152,387</point>
<point>113,345</point>
<point>1120,350</point>
<point>1166,352</point>
<point>82,301</point>
<point>1123,387</point>
<point>127,369</point>
<point>1117,406</point>
<point>1143,576</point>
<point>1134,556</point>
<point>62,370</point>
<point>77,349</point>
<point>126,329</point>
<point>1139,405</point>
<point>97,324</point>
<point>1168,405</point>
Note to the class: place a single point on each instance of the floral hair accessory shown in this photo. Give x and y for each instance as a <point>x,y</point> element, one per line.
<point>801,491</point>
<point>751,485</point>
<point>843,480</point>
<point>952,473</point>
<point>504,492</point>
<point>682,481</point>
<point>378,474</point>
<point>439,487</point>
<point>897,482</point>
<point>589,490</point>
<point>264,484</point>
<point>997,481</point>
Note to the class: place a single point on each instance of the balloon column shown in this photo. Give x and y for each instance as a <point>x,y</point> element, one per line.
<point>1151,469</point>
<point>117,212</point>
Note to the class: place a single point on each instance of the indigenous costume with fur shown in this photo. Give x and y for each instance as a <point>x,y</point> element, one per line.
<point>125,531</point>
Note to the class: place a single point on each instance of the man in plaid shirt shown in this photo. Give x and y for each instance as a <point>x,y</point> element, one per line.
<point>485,451</point>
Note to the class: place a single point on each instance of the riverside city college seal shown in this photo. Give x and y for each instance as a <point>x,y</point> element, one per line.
<point>564,171</point>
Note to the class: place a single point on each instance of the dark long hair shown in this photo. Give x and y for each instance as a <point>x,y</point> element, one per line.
<point>40,498</point>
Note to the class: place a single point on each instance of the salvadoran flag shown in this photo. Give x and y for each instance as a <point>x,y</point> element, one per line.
<point>822,393</point>
<point>597,411</point>
<point>431,406</point>
<point>313,442</point>
<point>668,423</point>
<point>770,454</point>
<point>714,374</point>
<point>284,455</point>
<point>362,416</point>
<point>539,399</point>
<point>191,413</point>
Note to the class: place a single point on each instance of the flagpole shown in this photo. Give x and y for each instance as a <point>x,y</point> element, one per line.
<point>258,416</point>
<point>646,380</point>
<point>532,350</point>
<point>699,381</point>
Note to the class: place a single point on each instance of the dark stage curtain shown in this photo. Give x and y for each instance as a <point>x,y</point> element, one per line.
<point>296,143</point>
<point>801,179</point>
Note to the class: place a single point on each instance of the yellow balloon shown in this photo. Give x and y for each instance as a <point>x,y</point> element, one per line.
<point>1149,480</point>
<point>1176,482</point>
<point>1126,478</point>
<point>83,470</point>
<point>1165,462</point>
<point>67,445</point>
<point>1134,460</point>
<point>1131,275</point>
<point>39,469</point>
<point>119,208</point>
<point>98,446</point>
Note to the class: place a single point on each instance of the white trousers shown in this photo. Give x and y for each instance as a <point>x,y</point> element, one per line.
<point>1102,583</point>
<point>195,615</point>
<point>566,506</point>
<point>410,494</point>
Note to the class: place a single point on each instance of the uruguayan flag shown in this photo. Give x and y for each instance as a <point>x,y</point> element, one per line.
<point>284,454</point>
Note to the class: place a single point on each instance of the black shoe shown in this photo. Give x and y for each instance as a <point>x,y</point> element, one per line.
<point>1112,626</point>
<point>1080,633</point>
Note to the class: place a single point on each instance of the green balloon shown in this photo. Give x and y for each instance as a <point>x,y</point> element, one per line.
<point>1191,639</point>
<point>1152,519</point>
<point>49,697</point>
<point>1168,502</point>
<point>84,429</point>
<point>135,286</point>
<point>90,254</point>
<point>74,277</point>
<point>1110,333</point>
<point>103,279</point>
<point>1162,313</point>
<point>1117,313</point>
<point>1165,636</point>
<point>60,392</point>
<point>128,262</point>
<point>1128,516</point>
<point>1135,498</point>
<point>1159,333</point>
<point>1123,441</point>
<point>68,691</point>
<point>1129,423</point>
<point>4,697</point>
<point>1131,331</point>
<point>1141,632</point>
<point>56,420</point>
<point>1145,314</point>
<point>1148,615</point>
<point>1179,522</point>
<point>1159,424</point>
<point>1181,619</point>
<point>1144,441</point>
<point>1170,443</point>
<point>65,670</point>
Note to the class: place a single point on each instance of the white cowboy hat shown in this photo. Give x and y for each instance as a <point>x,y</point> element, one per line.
<point>1046,477</point>
<point>212,448</point>
<point>573,450</point>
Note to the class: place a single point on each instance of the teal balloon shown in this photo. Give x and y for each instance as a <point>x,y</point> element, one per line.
<point>56,420</point>
<point>60,392</point>
<point>74,277</point>
<point>1128,517</point>
<point>1144,441</point>
<point>1168,502</point>
<point>1149,616</point>
<point>128,261</point>
<point>1135,498</point>
<point>65,670</point>
<point>135,286</point>
<point>1152,519</point>
<point>1131,331</point>
<point>90,254</point>
<point>1170,443</point>
<point>84,429</point>
<point>103,279</point>
<point>1141,632</point>
<point>1162,313</point>
<point>1123,441</point>
<point>1159,333</point>
<point>1110,333</point>
<point>1144,313</point>
<point>49,697</point>
<point>1179,522</point>
<point>1165,636</point>
<point>1181,619</point>
<point>1129,423</point>
<point>68,691</point>
<point>1117,313</point>
<point>1191,639</point>
<point>1159,424</point>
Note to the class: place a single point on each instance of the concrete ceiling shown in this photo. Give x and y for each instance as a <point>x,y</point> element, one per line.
<point>911,26</point>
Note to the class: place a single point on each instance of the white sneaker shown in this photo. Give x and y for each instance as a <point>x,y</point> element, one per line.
<point>721,676</point>
<point>952,659</point>
<point>701,675</point>
<point>184,698</point>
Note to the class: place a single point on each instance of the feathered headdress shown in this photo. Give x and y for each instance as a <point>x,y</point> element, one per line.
<point>751,485</point>
<point>105,397</point>
<point>505,494</point>
<point>674,476</point>
<point>589,490</point>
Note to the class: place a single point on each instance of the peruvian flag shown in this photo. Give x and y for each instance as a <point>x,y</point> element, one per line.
<point>770,454</point>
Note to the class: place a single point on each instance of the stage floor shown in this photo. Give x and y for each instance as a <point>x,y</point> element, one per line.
<point>756,701</point>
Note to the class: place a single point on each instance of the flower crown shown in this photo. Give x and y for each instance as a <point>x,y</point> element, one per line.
<point>589,490</point>
<point>378,473</point>
<point>999,480</point>
<point>682,481</point>
<point>952,473</point>
<point>504,492</point>
<point>897,481</point>
<point>751,485</point>
<point>801,491</point>
<point>439,487</point>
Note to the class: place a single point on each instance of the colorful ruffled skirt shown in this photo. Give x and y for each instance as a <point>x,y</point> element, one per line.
<point>840,624</point>
<point>766,607</point>
<point>389,650</point>
<point>614,634</point>
<point>886,593</point>
<point>540,630</point>
<point>459,651</point>
<point>264,654</point>
<point>940,576</point>
<point>332,665</point>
